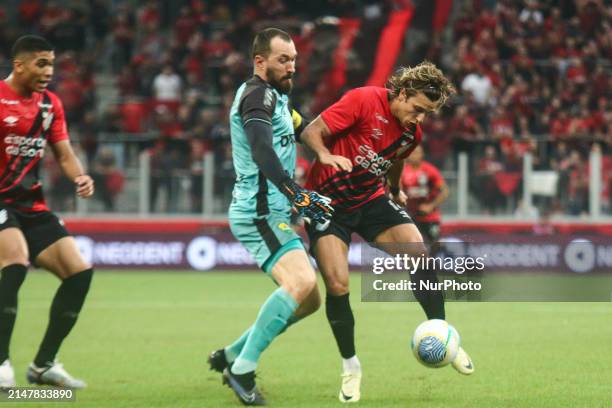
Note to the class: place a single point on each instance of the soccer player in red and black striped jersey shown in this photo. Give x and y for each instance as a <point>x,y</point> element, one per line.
<point>359,141</point>
<point>425,190</point>
<point>30,118</point>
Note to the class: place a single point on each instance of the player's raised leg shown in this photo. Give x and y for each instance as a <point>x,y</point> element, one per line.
<point>64,260</point>
<point>331,253</point>
<point>14,261</point>
<point>406,239</point>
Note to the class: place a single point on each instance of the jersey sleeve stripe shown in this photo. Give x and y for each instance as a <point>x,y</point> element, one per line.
<point>262,195</point>
<point>259,120</point>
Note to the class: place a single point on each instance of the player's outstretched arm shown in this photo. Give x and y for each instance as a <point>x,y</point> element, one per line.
<point>72,168</point>
<point>313,137</point>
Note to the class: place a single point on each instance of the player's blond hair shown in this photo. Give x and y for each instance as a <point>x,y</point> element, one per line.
<point>426,78</point>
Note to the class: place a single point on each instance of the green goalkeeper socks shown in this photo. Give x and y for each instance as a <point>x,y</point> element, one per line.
<point>233,350</point>
<point>273,318</point>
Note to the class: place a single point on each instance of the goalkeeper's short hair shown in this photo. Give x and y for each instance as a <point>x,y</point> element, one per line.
<point>261,43</point>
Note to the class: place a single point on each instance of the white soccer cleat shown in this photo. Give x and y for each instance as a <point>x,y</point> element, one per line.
<point>7,375</point>
<point>463,363</point>
<point>351,385</point>
<point>55,375</point>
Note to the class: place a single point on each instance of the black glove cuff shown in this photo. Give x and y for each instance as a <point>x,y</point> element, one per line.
<point>290,188</point>
<point>394,190</point>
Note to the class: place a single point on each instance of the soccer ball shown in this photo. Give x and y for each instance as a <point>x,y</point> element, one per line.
<point>435,343</point>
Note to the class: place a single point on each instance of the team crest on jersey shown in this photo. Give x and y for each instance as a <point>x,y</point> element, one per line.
<point>376,133</point>
<point>11,121</point>
<point>283,226</point>
<point>48,118</point>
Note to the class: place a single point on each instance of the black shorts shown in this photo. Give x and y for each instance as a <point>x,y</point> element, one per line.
<point>368,221</point>
<point>40,229</point>
<point>429,230</point>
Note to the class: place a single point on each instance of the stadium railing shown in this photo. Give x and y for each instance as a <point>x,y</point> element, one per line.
<point>133,181</point>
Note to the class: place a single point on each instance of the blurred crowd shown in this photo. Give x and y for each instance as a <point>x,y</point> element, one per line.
<point>533,76</point>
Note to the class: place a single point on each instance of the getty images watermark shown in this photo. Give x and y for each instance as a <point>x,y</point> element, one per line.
<point>423,270</point>
<point>528,269</point>
<point>412,271</point>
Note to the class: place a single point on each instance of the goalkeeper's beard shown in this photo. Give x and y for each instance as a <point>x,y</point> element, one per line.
<point>283,85</point>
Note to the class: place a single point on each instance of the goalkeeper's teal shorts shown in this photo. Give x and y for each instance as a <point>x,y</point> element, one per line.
<point>266,238</point>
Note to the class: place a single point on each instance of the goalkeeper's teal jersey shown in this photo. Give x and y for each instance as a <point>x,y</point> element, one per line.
<point>253,195</point>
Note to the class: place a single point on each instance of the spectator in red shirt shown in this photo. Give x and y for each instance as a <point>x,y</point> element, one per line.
<point>501,126</point>
<point>184,26</point>
<point>133,113</point>
<point>109,179</point>
<point>29,11</point>
<point>484,186</point>
<point>437,140</point>
<point>464,128</point>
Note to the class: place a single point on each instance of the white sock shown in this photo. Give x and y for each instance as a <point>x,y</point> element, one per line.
<point>351,365</point>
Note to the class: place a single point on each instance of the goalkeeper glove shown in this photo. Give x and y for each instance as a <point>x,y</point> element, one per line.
<point>309,204</point>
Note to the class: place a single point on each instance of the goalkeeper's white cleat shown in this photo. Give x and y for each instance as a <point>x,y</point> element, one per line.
<point>7,375</point>
<point>54,375</point>
<point>463,363</point>
<point>351,387</point>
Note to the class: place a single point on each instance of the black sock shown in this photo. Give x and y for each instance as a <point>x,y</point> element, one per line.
<point>432,301</point>
<point>10,282</point>
<point>342,322</point>
<point>65,310</point>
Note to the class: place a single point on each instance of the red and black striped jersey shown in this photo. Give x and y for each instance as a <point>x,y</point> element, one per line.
<point>26,125</point>
<point>422,185</point>
<point>363,130</point>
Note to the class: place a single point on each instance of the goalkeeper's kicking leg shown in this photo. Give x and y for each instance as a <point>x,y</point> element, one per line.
<point>296,297</point>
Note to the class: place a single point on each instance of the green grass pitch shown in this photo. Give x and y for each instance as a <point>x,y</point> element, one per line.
<point>143,337</point>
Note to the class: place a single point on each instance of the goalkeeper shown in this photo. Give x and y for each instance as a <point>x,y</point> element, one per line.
<point>263,132</point>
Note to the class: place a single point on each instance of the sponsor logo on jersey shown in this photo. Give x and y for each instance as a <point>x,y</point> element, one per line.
<point>372,161</point>
<point>3,216</point>
<point>24,146</point>
<point>287,140</point>
<point>9,102</point>
<point>45,105</point>
<point>11,121</point>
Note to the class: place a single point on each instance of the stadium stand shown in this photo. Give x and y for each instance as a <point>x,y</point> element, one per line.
<point>158,76</point>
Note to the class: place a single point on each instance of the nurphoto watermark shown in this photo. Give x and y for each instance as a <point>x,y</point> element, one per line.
<point>487,271</point>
